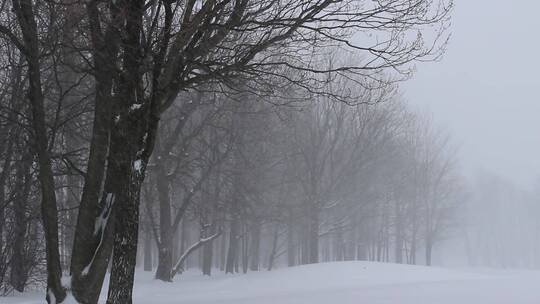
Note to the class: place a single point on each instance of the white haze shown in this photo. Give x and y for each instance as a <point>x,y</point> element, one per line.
<point>485,90</point>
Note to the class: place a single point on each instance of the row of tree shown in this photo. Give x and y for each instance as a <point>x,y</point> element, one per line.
<point>256,185</point>
<point>97,95</point>
<point>322,181</point>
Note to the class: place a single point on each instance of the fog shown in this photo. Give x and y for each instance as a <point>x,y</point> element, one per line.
<point>255,151</point>
<point>485,90</point>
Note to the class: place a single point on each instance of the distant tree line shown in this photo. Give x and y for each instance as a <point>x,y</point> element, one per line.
<point>316,182</point>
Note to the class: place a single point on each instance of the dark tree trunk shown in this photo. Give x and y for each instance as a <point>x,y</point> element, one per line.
<point>9,146</point>
<point>67,79</point>
<point>222,253</point>
<point>132,143</point>
<point>232,252</point>
<point>24,11</point>
<point>255,246</point>
<point>19,267</point>
<point>207,258</point>
<point>313,236</point>
<point>92,247</point>
<point>208,251</point>
<point>184,237</point>
<point>245,249</point>
<point>273,251</point>
<point>127,177</point>
<point>165,244</point>
<point>125,243</point>
<point>148,250</point>
<point>164,268</point>
<point>6,170</point>
<point>126,169</point>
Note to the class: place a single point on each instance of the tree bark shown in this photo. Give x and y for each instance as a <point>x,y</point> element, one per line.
<point>25,16</point>
<point>232,252</point>
<point>255,246</point>
<point>208,251</point>
<point>244,246</point>
<point>222,253</point>
<point>313,234</point>
<point>126,169</point>
<point>207,258</point>
<point>132,143</point>
<point>148,251</point>
<point>19,267</point>
<point>165,243</point>
<point>6,170</point>
<point>273,251</point>
<point>92,247</point>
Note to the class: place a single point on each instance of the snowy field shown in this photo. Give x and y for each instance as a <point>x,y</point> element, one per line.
<point>338,283</point>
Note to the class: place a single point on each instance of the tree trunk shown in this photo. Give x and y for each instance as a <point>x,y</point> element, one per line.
<point>313,234</point>
<point>126,192</point>
<point>233,246</point>
<point>67,79</point>
<point>19,267</point>
<point>6,170</point>
<point>291,250</point>
<point>184,237</point>
<point>304,239</point>
<point>165,244</point>
<point>126,168</point>
<point>222,253</point>
<point>273,251</point>
<point>245,249</point>
<point>92,247</point>
<point>132,143</point>
<point>413,250</point>
<point>207,258</point>
<point>429,248</point>
<point>255,246</point>
<point>25,17</point>
<point>208,251</point>
<point>148,250</point>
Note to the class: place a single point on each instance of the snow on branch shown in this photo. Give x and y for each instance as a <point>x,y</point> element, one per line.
<point>178,268</point>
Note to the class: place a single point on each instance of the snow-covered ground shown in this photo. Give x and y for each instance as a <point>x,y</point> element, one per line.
<point>338,283</point>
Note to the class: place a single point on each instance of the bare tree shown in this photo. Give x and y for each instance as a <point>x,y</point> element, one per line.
<point>143,54</point>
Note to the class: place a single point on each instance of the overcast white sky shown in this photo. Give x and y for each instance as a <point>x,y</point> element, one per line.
<point>486,89</point>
